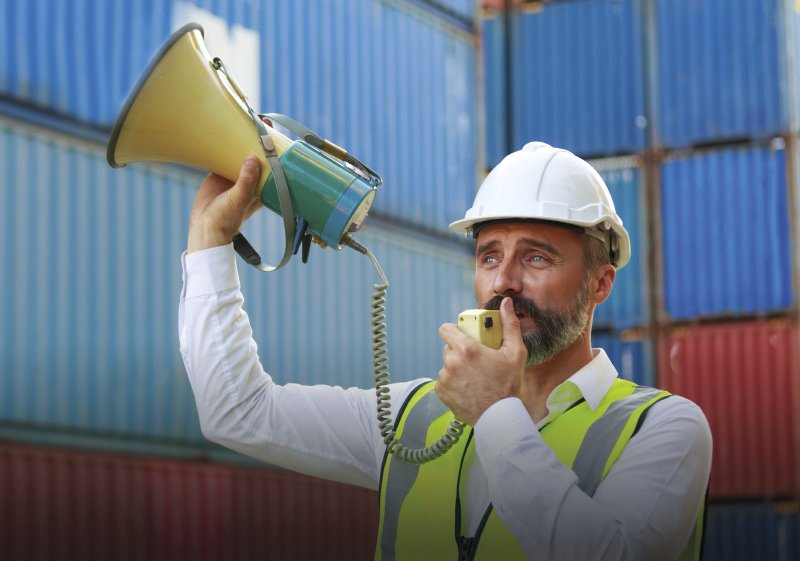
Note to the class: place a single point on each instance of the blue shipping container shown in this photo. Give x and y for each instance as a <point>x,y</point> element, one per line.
<point>628,304</point>
<point>392,81</point>
<point>88,310</point>
<point>726,232</point>
<point>497,116</point>
<point>89,304</point>
<point>462,11</point>
<point>726,70</point>
<point>750,531</point>
<point>630,352</point>
<point>577,77</point>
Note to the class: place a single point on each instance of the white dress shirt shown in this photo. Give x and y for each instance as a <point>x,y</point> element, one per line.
<point>644,509</point>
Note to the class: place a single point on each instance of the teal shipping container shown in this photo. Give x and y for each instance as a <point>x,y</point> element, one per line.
<point>89,301</point>
<point>392,81</point>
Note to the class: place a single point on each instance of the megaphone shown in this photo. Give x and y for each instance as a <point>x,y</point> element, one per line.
<point>187,109</point>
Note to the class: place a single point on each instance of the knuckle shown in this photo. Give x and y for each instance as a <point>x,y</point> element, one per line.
<point>471,350</point>
<point>441,383</point>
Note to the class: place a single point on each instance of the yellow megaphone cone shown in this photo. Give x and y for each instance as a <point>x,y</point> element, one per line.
<point>187,109</point>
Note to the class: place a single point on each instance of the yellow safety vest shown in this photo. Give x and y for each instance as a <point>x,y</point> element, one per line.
<point>420,506</point>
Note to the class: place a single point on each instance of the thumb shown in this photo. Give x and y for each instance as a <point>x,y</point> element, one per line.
<point>243,192</point>
<point>220,208</point>
<point>512,334</point>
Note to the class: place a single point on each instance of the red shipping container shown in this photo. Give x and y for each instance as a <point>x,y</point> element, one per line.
<point>73,506</point>
<point>744,375</point>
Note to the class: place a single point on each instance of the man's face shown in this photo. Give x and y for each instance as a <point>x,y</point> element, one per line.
<point>541,267</point>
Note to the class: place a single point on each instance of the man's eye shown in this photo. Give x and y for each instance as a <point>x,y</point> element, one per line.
<point>489,260</point>
<point>536,259</point>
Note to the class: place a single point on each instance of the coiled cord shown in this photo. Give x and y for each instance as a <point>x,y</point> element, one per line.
<point>380,361</point>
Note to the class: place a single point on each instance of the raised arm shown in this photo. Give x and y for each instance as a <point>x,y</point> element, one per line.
<point>323,431</point>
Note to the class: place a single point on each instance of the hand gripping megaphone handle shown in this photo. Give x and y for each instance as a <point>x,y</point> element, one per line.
<point>240,243</point>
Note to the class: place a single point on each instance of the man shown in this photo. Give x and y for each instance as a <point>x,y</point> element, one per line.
<point>561,460</point>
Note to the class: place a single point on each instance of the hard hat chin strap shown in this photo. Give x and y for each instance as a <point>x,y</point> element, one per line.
<point>608,236</point>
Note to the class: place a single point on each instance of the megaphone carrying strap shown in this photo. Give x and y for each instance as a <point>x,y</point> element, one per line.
<point>325,145</point>
<point>240,243</point>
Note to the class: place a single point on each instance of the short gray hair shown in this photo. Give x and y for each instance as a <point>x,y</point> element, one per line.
<point>595,252</point>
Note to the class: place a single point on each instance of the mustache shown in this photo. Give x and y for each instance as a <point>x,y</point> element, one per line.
<point>521,305</point>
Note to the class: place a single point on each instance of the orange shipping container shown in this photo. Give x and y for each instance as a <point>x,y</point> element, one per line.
<point>744,375</point>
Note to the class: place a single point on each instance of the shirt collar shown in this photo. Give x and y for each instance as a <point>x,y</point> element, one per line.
<point>591,382</point>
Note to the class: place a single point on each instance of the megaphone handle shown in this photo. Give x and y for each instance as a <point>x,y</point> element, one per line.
<point>240,243</point>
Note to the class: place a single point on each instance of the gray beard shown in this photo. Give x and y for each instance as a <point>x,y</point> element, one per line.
<point>553,330</point>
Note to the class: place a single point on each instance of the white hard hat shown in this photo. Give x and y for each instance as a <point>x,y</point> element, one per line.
<point>540,182</point>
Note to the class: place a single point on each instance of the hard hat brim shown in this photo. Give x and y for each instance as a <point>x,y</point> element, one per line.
<point>465,227</point>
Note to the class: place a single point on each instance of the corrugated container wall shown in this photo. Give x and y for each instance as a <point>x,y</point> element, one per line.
<point>752,531</point>
<point>576,77</point>
<point>746,378</point>
<point>323,307</point>
<point>89,307</point>
<point>631,353</point>
<point>726,232</point>
<point>714,59</point>
<point>392,81</point>
<point>76,506</point>
<point>628,304</point>
<point>495,67</point>
<point>460,9</point>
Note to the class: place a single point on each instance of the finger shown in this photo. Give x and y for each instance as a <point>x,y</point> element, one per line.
<point>451,334</point>
<point>212,186</point>
<point>512,334</point>
<point>243,193</point>
<point>449,358</point>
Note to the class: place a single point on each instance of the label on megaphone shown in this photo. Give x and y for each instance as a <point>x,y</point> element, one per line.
<point>332,198</point>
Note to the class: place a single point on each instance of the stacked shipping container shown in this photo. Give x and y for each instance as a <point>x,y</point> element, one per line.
<point>700,157</point>
<point>89,355</point>
<point>620,323</point>
<point>702,97</point>
<point>97,506</point>
<point>728,256</point>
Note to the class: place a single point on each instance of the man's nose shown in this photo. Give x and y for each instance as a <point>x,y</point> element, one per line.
<point>508,279</point>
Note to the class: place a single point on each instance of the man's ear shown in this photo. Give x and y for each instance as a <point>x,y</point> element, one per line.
<point>601,282</point>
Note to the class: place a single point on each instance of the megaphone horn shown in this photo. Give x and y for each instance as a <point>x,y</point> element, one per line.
<point>187,109</point>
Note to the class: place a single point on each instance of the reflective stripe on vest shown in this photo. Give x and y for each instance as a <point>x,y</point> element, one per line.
<point>403,475</point>
<point>590,464</point>
<point>418,503</point>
